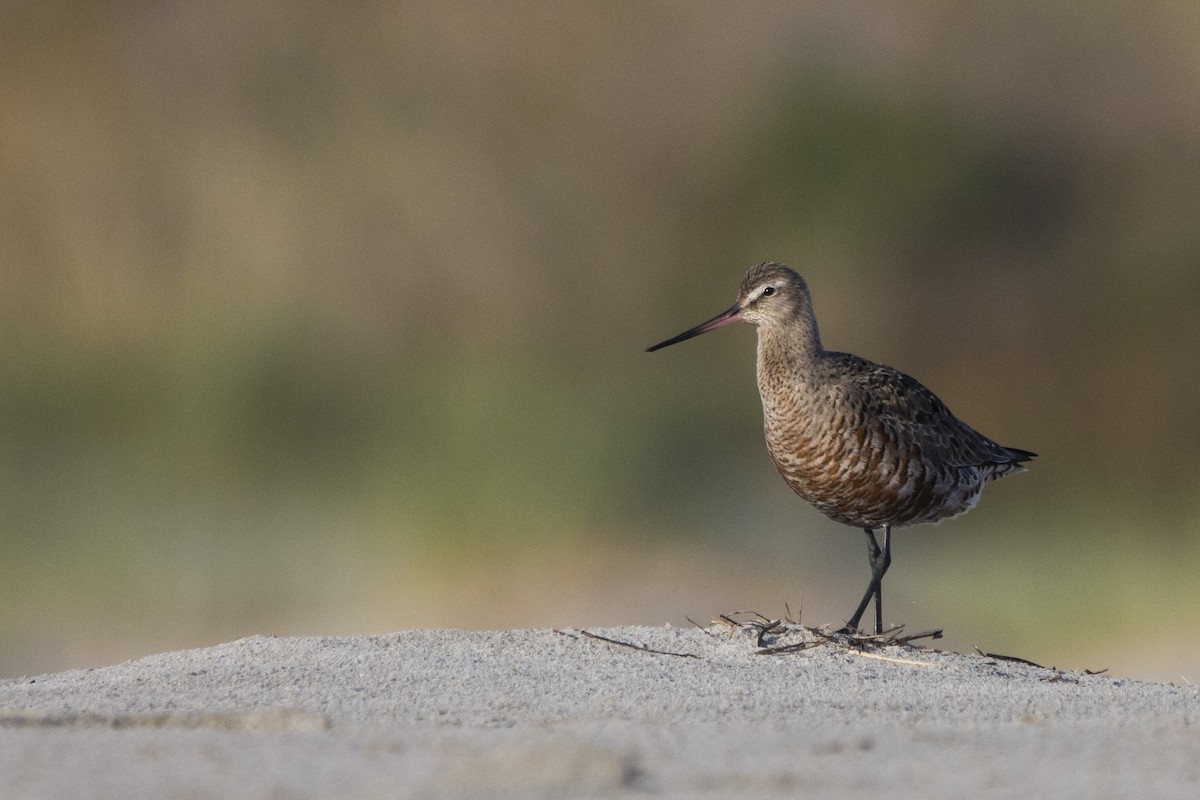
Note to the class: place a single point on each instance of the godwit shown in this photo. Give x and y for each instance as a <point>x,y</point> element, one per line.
<point>865,444</point>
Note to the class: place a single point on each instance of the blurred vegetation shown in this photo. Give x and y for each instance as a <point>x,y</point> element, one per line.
<point>328,318</point>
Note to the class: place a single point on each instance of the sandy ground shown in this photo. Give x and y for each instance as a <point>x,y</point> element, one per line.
<point>539,713</point>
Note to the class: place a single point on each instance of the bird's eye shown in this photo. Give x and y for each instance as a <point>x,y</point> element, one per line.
<point>767,292</point>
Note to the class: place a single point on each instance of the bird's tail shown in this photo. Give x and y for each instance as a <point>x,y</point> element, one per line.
<point>1014,463</point>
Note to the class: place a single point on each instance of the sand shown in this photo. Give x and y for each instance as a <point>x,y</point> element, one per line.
<point>540,713</point>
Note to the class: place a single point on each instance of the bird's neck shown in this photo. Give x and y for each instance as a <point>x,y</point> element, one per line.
<point>790,376</point>
<point>790,350</point>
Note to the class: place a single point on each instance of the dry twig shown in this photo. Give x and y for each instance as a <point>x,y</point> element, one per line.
<point>640,647</point>
<point>894,660</point>
<point>702,629</point>
<point>1014,659</point>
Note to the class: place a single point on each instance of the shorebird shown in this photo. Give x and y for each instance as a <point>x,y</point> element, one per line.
<point>865,444</point>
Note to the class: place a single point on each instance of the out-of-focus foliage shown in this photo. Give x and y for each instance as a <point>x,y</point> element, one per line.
<point>325,317</point>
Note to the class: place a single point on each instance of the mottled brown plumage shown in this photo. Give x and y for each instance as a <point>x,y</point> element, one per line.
<point>865,444</point>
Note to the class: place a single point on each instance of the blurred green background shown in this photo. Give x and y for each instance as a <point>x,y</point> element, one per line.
<point>329,318</point>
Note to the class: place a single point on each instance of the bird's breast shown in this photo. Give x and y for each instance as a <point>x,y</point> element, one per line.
<point>854,469</point>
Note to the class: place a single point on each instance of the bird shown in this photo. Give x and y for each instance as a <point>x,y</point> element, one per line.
<point>865,444</point>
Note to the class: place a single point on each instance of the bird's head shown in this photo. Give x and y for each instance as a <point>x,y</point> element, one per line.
<point>771,293</point>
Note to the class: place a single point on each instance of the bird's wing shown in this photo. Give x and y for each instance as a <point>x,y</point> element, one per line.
<point>911,413</point>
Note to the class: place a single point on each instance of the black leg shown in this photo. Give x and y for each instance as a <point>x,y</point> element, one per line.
<point>879,565</point>
<point>873,554</point>
<point>881,559</point>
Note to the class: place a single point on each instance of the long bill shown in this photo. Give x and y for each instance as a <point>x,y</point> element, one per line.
<point>734,314</point>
